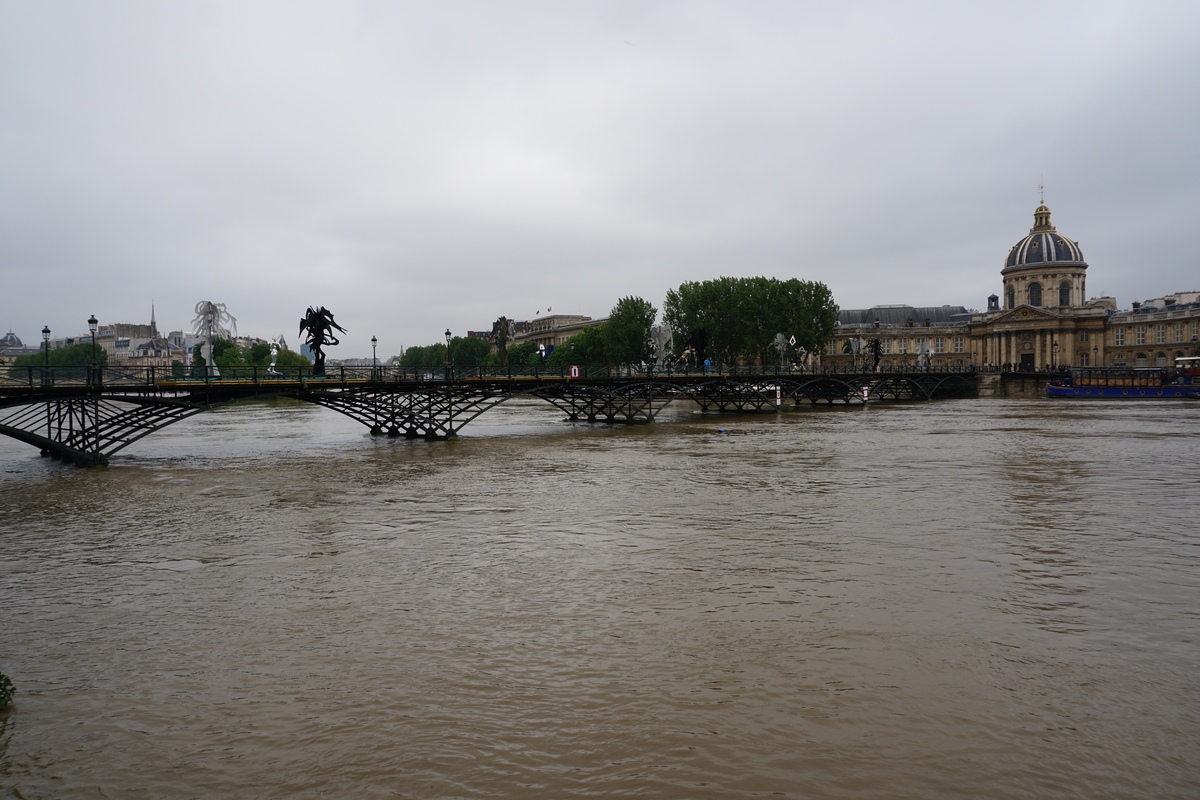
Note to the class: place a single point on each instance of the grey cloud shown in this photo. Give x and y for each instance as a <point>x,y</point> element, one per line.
<point>419,166</point>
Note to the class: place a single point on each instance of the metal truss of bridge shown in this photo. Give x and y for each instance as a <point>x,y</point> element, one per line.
<point>85,415</point>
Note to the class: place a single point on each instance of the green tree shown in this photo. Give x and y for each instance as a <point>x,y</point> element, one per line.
<point>73,355</point>
<point>225,354</point>
<point>626,334</point>
<point>290,358</point>
<point>524,354</point>
<point>433,355</point>
<point>584,348</point>
<point>743,315</point>
<point>259,355</point>
<point>468,351</point>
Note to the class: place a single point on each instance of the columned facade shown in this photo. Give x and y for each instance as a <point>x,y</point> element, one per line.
<point>1041,321</point>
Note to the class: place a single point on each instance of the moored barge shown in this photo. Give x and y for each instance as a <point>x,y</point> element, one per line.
<point>1120,383</point>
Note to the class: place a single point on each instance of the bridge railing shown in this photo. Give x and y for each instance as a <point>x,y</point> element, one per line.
<point>181,376</point>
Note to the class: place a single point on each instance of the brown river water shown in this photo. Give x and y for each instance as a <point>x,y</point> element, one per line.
<point>959,599</point>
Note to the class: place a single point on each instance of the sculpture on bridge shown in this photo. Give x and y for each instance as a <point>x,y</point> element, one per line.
<point>660,343</point>
<point>212,320</point>
<point>875,348</point>
<point>502,334</point>
<point>696,347</point>
<point>783,347</point>
<point>320,326</point>
<point>275,346</point>
<point>852,348</point>
<point>923,354</point>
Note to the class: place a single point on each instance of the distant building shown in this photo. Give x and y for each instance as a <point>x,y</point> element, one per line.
<point>1045,320</point>
<point>554,329</point>
<point>11,346</point>
<point>156,352</point>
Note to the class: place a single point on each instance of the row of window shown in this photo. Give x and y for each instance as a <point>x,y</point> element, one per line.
<point>1179,329</point>
<point>1033,294</point>
<point>899,346</point>
<point>1160,359</point>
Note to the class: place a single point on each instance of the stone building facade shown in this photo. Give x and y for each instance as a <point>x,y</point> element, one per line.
<point>1045,321</point>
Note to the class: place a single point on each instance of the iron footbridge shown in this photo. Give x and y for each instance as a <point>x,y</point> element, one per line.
<point>83,415</point>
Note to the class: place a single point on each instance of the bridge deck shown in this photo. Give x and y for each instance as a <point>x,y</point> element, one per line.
<point>86,414</point>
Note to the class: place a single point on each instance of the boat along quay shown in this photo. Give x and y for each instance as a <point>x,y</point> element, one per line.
<point>84,415</point>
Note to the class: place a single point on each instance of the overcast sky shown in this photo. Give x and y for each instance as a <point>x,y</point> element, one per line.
<point>422,166</point>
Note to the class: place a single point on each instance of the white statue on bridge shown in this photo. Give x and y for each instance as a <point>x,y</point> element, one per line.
<point>276,344</point>
<point>923,354</point>
<point>212,320</point>
<point>660,343</point>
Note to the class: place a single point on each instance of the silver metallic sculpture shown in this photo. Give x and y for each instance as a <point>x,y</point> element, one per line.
<point>660,343</point>
<point>212,320</point>
<point>923,353</point>
<point>276,344</point>
<point>783,347</point>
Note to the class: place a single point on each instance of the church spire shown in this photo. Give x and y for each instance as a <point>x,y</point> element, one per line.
<point>153,324</point>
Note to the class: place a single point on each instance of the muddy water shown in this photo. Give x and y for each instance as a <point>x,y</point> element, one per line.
<point>959,599</point>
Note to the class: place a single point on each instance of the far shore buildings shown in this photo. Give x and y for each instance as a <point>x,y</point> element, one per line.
<point>551,330</point>
<point>1046,319</point>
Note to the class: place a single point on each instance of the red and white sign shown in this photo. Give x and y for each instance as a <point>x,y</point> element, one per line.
<point>574,372</point>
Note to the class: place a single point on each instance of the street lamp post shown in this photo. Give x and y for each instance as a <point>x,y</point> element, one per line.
<point>1054,355</point>
<point>374,360</point>
<point>46,347</point>
<point>1095,355</point>
<point>92,323</point>
<point>447,354</point>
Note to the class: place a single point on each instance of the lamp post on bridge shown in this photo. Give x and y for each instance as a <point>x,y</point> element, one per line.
<point>94,379</point>
<point>374,360</point>
<point>46,347</point>
<point>92,324</point>
<point>447,354</point>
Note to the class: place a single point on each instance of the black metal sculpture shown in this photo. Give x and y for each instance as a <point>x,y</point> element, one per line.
<point>697,345</point>
<point>875,348</point>
<point>320,326</point>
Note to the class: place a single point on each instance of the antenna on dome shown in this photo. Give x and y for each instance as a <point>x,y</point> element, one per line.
<point>1042,189</point>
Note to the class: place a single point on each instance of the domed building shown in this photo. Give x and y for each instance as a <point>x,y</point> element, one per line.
<point>1045,322</point>
<point>1045,268</point>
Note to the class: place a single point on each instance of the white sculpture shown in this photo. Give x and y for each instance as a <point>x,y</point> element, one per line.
<point>212,320</point>
<point>276,344</point>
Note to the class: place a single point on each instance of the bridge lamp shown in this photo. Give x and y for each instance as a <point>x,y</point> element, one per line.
<point>46,343</point>
<point>92,323</point>
<point>374,360</point>
<point>447,350</point>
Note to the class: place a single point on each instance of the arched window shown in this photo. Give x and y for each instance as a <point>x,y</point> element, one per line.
<point>1161,358</point>
<point>1140,360</point>
<point>1064,294</point>
<point>1035,294</point>
<point>1012,297</point>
